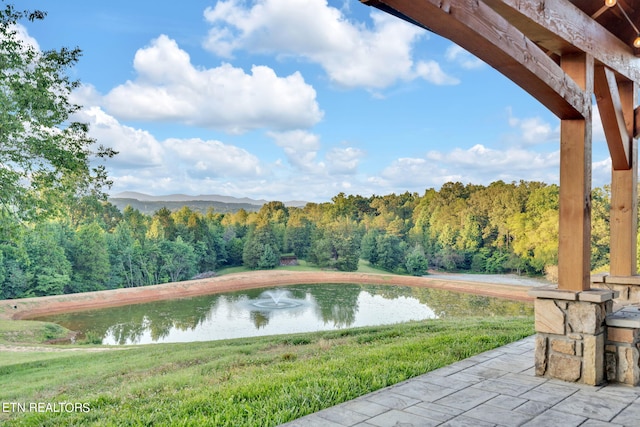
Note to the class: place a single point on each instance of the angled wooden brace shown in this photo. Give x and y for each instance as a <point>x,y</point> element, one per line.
<point>612,116</point>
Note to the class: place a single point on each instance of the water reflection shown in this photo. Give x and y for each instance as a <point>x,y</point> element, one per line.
<point>299,308</point>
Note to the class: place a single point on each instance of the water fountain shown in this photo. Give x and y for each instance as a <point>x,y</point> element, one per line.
<point>276,300</point>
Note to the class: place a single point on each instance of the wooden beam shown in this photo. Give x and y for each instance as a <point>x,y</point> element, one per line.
<point>560,26</point>
<point>483,32</point>
<point>636,122</point>
<point>574,248</point>
<point>612,116</point>
<point>623,219</point>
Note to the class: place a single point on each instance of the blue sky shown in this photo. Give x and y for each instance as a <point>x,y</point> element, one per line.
<point>294,100</point>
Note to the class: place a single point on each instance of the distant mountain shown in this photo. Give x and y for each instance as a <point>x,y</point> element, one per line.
<point>202,197</point>
<point>201,203</point>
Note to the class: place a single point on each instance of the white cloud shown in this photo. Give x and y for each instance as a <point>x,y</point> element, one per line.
<point>351,54</point>
<point>532,130</point>
<point>173,165</point>
<point>344,161</point>
<point>212,159</point>
<point>23,36</point>
<point>601,172</point>
<point>410,173</point>
<point>455,53</point>
<point>136,147</point>
<point>301,149</point>
<point>512,161</point>
<point>478,165</point>
<point>86,95</point>
<point>169,88</point>
<point>431,72</point>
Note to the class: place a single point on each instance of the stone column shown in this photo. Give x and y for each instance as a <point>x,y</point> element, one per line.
<point>627,287</point>
<point>622,351</point>
<point>571,333</point>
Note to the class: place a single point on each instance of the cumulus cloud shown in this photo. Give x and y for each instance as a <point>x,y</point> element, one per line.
<point>532,130</point>
<point>169,88</point>
<point>455,53</point>
<point>477,164</point>
<point>23,35</point>
<point>301,148</point>
<point>136,147</point>
<point>601,172</point>
<point>212,159</point>
<point>87,95</point>
<point>512,160</point>
<point>351,54</point>
<point>344,161</point>
<point>145,163</point>
<point>410,173</point>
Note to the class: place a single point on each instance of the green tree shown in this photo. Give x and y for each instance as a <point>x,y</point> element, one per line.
<point>344,236</point>
<point>45,157</point>
<point>178,259</point>
<point>15,283</point>
<point>260,240</point>
<point>234,248</point>
<point>48,270</point>
<point>390,251</point>
<point>600,240</point>
<point>123,272</point>
<point>162,225</point>
<point>269,258</point>
<point>136,221</point>
<point>535,230</point>
<point>369,246</point>
<point>90,260</point>
<point>13,262</point>
<point>213,251</point>
<point>148,261</point>
<point>416,262</point>
<point>2,271</point>
<point>276,215</point>
<point>298,233</point>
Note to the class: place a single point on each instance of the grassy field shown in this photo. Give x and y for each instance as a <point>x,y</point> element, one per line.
<point>363,267</point>
<point>260,381</point>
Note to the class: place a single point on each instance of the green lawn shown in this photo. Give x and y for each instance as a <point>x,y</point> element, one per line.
<point>363,267</point>
<point>260,381</point>
<point>29,332</point>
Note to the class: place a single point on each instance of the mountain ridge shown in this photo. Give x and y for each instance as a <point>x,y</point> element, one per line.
<point>142,197</point>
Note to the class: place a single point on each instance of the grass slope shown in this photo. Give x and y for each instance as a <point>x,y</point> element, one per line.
<point>260,381</point>
<point>363,267</point>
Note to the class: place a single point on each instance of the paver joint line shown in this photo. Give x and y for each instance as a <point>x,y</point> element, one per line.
<point>469,393</point>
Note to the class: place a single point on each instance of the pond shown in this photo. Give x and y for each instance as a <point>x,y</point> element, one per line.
<point>281,310</point>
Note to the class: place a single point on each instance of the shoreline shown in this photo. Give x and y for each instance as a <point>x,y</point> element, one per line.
<point>28,308</point>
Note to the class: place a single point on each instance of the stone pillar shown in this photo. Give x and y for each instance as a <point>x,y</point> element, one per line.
<point>628,287</point>
<point>622,351</point>
<point>571,333</point>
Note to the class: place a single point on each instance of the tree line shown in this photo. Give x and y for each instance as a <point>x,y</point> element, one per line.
<point>499,228</point>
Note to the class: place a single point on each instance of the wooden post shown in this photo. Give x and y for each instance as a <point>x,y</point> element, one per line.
<point>574,251</point>
<point>624,205</point>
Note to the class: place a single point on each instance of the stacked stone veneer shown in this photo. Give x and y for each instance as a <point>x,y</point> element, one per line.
<point>571,334</point>
<point>627,287</point>
<point>622,354</point>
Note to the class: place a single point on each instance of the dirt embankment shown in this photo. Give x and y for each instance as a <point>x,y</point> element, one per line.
<point>33,307</point>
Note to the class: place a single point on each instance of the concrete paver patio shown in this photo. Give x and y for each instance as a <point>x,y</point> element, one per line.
<point>495,388</point>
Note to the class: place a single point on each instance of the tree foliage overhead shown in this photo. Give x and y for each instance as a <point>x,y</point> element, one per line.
<point>44,154</point>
